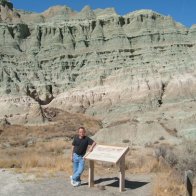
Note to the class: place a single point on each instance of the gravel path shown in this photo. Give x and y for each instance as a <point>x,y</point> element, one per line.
<point>19,185</point>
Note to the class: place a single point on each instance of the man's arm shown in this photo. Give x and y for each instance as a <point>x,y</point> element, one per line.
<point>72,150</point>
<point>92,146</point>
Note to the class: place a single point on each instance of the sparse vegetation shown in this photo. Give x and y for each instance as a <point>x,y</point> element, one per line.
<point>160,151</point>
<point>170,180</point>
<point>48,155</point>
<point>30,149</point>
<point>167,184</point>
<point>137,162</point>
<point>182,159</point>
<point>42,147</point>
<point>186,157</point>
<point>126,141</point>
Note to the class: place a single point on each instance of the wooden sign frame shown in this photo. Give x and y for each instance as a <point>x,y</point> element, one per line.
<point>112,154</point>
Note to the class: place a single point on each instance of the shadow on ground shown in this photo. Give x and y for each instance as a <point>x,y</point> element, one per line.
<point>114,182</point>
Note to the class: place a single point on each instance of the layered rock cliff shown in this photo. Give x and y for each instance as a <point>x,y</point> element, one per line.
<point>127,70</point>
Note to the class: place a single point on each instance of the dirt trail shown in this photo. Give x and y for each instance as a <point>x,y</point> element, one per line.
<point>19,185</point>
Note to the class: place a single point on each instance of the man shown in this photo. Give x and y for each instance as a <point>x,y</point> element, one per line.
<point>79,147</point>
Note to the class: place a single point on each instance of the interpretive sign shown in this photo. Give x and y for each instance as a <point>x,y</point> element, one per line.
<point>106,153</point>
<point>112,154</point>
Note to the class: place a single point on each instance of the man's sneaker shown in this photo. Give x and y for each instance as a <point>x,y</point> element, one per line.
<point>71,179</point>
<point>74,183</point>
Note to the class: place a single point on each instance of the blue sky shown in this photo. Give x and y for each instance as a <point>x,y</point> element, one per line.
<point>183,11</point>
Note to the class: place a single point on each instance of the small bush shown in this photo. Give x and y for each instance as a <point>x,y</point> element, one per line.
<point>171,158</point>
<point>126,141</point>
<point>160,151</point>
<point>182,159</point>
<point>187,157</point>
<point>161,138</point>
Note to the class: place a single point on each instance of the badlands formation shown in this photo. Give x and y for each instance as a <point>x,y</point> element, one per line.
<point>136,73</point>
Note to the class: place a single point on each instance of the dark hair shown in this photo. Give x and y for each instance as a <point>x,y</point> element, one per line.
<point>81,128</point>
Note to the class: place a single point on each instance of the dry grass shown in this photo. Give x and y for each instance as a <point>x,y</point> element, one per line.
<point>168,181</point>
<point>53,156</point>
<point>142,164</point>
<point>168,184</point>
<point>56,147</point>
<point>44,150</point>
<point>43,155</point>
<point>45,147</point>
<point>141,161</point>
<point>62,125</point>
<point>186,157</point>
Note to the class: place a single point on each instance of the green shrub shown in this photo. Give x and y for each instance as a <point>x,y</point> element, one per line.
<point>182,159</point>
<point>187,157</point>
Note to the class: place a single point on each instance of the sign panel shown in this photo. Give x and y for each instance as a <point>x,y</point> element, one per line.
<point>106,153</point>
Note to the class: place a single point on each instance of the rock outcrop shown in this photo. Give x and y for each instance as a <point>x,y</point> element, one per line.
<point>118,68</point>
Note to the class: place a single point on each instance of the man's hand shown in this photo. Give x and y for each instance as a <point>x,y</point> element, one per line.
<point>92,146</point>
<point>90,149</point>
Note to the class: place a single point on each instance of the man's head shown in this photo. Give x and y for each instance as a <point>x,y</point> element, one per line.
<point>81,132</point>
